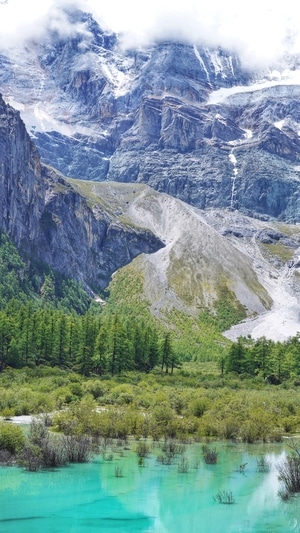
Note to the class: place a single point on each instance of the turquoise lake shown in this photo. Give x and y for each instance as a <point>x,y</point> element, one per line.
<point>153,498</point>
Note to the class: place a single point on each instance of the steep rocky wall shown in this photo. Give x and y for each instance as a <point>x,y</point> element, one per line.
<point>51,223</point>
<point>22,189</point>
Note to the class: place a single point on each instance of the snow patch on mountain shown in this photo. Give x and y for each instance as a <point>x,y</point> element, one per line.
<point>202,64</point>
<point>37,118</point>
<point>279,124</point>
<point>287,77</point>
<point>233,161</point>
<point>248,134</point>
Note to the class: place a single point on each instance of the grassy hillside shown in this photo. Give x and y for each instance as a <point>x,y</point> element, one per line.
<point>194,337</point>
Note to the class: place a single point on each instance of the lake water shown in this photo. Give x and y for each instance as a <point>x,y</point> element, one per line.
<point>153,498</point>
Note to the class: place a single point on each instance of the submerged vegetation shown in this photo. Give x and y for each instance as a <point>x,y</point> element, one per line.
<point>225,497</point>
<point>210,455</point>
<point>289,473</point>
<point>41,448</point>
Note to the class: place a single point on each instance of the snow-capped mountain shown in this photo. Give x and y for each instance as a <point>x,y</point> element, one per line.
<point>188,120</point>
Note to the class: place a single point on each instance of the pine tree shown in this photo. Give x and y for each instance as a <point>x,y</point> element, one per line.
<point>84,361</point>
<point>261,354</point>
<point>6,333</point>
<point>100,358</point>
<point>236,358</point>
<point>168,356</point>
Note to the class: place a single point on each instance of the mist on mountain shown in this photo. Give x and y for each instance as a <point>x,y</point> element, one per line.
<point>260,32</point>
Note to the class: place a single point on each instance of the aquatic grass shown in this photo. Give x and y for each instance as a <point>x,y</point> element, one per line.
<point>210,455</point>
<point>225,497</point>
<point>289,475</point>
<point>118,471</point>
<point>108,456</point>
<point>172,447</point>
<point>241,468</point>
<point>263,465</point>
<point>142,449</point>
<point>183,466</point>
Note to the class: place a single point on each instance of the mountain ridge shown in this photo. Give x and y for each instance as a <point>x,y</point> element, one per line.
<point>168,115</point>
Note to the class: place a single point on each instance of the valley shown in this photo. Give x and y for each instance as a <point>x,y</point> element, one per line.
<point>149,278</point>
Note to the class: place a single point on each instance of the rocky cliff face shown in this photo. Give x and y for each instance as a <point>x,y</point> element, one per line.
<point>187,120</point>
<point>51,223</point>
<point>22,187</point>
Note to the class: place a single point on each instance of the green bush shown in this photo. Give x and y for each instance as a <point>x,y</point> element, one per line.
<point>12,438</point>
<point>198,407</point>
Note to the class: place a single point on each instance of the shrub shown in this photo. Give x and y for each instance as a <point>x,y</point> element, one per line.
<point>8,412</point>
<point>96,388</point>
<point>229,428</point>
<point>31,457</point>
<point>165,459</point>
<point>198,407</point>
<point>142,449</point>
<point>12,438</point>
<point>289,475</point>
<point>249,432</point>
<point>242,468</point>
<point>108,456</point>
<point>78,449</point>
<point>38,431</point>
<point>48,450</point>
<point>172,447</point>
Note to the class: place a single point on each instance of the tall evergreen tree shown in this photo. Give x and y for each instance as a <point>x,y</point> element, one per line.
<point>84,361</point>
<point>261,353</point>
<point>236,358</point>
<point>168,356</point>
<point>101,353</point>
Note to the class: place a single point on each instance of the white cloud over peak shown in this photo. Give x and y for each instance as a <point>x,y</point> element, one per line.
<point>260,31</point>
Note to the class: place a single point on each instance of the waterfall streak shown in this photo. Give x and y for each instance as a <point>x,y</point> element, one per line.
<point>233,160</point>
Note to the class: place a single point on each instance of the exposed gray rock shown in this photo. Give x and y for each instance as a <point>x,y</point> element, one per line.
<point>239,231</point>
<point>269,236</point>
<point>51,223</point>
<point>187,120</point>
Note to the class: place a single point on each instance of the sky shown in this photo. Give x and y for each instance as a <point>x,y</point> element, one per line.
<point>261,31</point>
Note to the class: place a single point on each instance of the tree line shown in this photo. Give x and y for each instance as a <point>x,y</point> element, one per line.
<point>273,361</point>
<point>101,344</point>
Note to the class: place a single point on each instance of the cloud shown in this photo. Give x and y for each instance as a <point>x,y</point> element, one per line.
<point>22,20</point>
<point>261,31</point>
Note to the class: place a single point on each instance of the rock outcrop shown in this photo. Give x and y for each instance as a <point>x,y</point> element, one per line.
<point>51,223</point>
